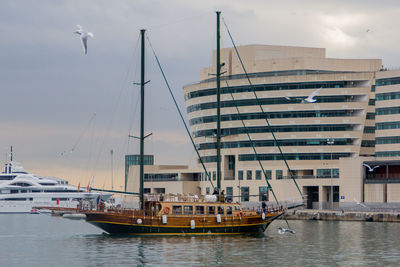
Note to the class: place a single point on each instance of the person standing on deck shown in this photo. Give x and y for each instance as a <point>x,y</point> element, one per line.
<point>264,206</point>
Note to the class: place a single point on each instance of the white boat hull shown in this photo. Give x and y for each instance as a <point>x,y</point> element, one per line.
<point>26,201</point>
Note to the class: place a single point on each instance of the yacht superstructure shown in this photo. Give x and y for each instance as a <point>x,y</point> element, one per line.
<point>20,191</point>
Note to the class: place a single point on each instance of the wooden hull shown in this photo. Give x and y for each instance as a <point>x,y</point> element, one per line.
<point>119,224</point>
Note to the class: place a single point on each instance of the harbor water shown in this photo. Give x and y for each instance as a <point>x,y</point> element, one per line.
<point>44,240</point>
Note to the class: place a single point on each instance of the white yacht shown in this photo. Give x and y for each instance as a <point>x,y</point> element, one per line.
<point>20,191</point>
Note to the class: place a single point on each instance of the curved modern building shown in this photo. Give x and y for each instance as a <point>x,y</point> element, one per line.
<point>355,120</point>
<point>312,136</point>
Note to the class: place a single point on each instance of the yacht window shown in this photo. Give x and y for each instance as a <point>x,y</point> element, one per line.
<point>16,199</point>
<point>76,199</point>
<point>188,210</point>
<point>199,210</point>
<point>21,184</point>
<point>11,177</point>
<point>177,210</point>
<point>46,184</point>
<point>35,191</point>
<point>14,191</point>
<point>23,191</point>
<point>221,210</point>
<point>229,210</point>
<point>31,198</point>
<point>210,210</point>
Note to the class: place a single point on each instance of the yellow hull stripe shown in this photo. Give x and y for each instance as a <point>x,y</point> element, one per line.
<point>241,233</point>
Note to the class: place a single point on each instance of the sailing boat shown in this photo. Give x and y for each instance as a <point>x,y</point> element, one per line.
<point>166,216</point>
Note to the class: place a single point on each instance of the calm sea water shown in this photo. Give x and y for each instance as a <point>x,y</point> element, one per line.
<point>43,240</point>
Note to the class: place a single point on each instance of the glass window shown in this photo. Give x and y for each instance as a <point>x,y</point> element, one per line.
<point>146,190</point>
<point>210,210</point>
<point>229,210</point>
<point>278,174</point>
<point>177,210</point>
<point>249,174</point>
<point>268,173</point>
<point>214,175</point>
<point>263,193</point>
<point>245,192</point>
<point>188,210</point>
<point>199,210</point>
<point>240,175</point>
<point>229,194</point>
<point>207,190</point>
<point>258,175</point>
<point>221,210</point>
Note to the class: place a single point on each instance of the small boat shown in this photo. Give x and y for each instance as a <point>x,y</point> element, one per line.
<point>35,211</point>
<point>159,215</point>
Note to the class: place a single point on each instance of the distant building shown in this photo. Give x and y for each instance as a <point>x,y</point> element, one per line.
<point>131,160</point>
<point>355,120</point>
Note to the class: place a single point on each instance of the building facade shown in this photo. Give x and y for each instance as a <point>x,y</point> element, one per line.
<point>355,119</point>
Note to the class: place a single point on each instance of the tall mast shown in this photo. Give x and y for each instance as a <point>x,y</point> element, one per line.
<point>218,64</point>
<point>142,83</point>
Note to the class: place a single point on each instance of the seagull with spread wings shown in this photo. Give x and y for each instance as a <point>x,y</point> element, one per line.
<point>84,37</point>
<point>310,98</point>
<point>369,167</point>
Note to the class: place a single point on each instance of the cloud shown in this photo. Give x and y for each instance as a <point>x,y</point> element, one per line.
<point>50,89</point>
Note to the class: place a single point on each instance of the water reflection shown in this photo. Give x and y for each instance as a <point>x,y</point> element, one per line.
<point>42,241</point>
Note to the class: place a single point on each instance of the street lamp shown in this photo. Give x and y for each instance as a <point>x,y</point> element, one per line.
<point>330,142</point>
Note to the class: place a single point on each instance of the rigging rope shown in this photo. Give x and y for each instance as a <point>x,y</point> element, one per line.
<point>180,113</point>
<point>263,112</point>
<point>116,106</point>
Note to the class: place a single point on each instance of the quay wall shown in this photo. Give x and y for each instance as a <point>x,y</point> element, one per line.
<point>328,215</point>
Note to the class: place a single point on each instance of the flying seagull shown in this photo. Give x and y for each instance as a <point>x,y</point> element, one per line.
<point>360,204</point>
<point>369,167</point>
<point>284,231</point>
<point>310,98</point>
<point>84,37</point>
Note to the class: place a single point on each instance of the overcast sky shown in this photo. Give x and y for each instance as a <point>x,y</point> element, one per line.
<point>63,111</point>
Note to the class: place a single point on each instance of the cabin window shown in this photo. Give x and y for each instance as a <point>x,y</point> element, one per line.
<point>35,191</point>
<point>199,210</point>
<point>210,210</point>
<point>221,210</point>
<point>228,210</point>
<point>177,210</point>
<point>14,191</point>
<point>188,210</point>
<point>23,191</point>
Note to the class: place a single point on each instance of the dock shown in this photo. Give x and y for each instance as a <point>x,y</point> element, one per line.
<point>338,215</point>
